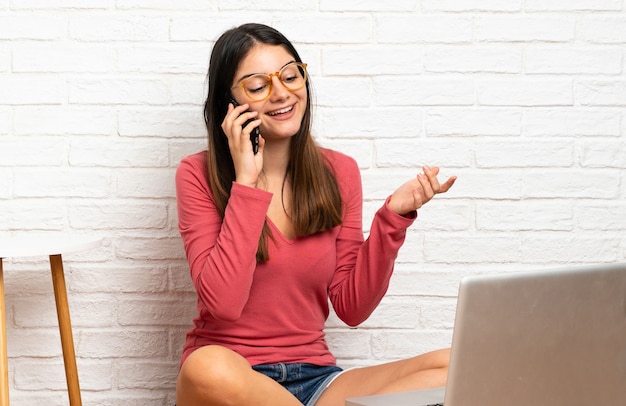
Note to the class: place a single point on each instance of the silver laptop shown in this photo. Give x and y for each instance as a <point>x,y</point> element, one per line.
<point>550,337</point>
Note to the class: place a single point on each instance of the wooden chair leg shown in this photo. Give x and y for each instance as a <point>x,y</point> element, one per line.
<point>65,328</point>
<point>4,364</point>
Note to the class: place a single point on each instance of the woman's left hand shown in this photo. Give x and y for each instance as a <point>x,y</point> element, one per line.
<point>418,191</point>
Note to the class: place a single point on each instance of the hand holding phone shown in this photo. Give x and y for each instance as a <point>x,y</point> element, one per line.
<point>254,134</point>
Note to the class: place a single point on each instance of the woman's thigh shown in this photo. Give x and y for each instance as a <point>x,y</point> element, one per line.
<point>215,376</point>
<point>424,371</point>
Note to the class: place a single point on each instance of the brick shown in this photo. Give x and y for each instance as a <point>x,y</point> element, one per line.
<point>424,91</point>
<point>523,215</point>
<point>118,215</point>
<point>5,123</point>
<point>602,93</point>
<point>133,28</point>
<point>571,122</point>
<point>607,216</point>
<point>608,154</point>
<point>191,91</point>
<point>483,59</point>
<point>187,5</point>
<point>371,60</point>
<point>156,312</point>
<point>472,249</point>
<point>390,345</point>
<point>418,152</point>
<point>176,58</point>
<point>205,28</point>
<point>118,91</point>
<point>5,60</point>
<point>148,375</point>
<point>580,60</point>
<point>123,278</point>
<point>573,5</point>
<point>22,90</point>
<point>367,5</point>
<point>151,248</point>
<point>513,28</point>
<point>33,151</point>
<point>166,123</point>
<point>368,123</point>
<point>473,121</point>
<point>353,343</point>
<point>73,182</point>
<point>119,153</point>
<point>471,5</point>
<point>31,215</point>
<point>567,248</point>
<point>72,59</point>
<point>269,5</point>
<point>394,313</point>
<point>603,29</point>
<point>341,92</point>
<point>339,28</point>
<point>61,4</point>
<point>598,184</point>
<point>522,153</point>
<point>423,29</point>
<point>525,92</point>
<point>36,343</point>
<point>18,26</point>
<point>145,183</point>
<point>64,120</point>
<point>129,343</point>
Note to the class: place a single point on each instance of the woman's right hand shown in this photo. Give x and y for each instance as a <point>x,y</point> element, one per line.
<point>247,164</point>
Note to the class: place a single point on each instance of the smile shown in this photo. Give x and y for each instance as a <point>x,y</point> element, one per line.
<point>281,111</point>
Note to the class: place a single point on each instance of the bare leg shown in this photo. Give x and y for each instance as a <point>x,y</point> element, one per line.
<point>216,376</point>
<point>425,371</point>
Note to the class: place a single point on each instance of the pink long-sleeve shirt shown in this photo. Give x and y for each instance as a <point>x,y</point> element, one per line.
<point>275,311</point>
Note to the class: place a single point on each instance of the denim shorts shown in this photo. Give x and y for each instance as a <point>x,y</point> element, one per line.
<point>306,382</point>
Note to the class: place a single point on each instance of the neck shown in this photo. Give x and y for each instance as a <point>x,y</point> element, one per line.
<point>276,158</point>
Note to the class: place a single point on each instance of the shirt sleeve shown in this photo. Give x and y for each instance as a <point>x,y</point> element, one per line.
<point>364,268</point>
<point>221,253</point>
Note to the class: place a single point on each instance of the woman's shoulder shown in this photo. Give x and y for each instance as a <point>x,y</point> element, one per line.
<point>338,160</point>
<point>199,159</point>
<point>193,167</point>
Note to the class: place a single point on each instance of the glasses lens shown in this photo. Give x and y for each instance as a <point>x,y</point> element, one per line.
<point>257,87</point>
<point>293,76</point>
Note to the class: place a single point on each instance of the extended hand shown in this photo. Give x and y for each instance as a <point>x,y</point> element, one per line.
<point>418,191</point>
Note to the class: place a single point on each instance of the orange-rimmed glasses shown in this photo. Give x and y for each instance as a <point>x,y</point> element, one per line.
<point>258,86</point>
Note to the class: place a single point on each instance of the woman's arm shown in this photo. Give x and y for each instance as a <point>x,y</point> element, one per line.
<point>221,253</point>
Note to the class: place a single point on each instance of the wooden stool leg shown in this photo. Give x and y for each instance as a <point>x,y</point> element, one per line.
<point>65,328</point>
<point>4,364</point>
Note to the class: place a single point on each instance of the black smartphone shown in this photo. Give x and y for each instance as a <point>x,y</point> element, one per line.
<point>254,135</point>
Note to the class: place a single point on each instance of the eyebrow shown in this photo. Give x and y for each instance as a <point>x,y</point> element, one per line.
<point>267,74</point>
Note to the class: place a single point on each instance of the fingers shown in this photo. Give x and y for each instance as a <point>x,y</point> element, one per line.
<point>238,124</point>
<point>429,185</point>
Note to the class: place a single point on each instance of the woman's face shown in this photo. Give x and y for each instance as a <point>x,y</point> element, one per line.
<point>281,113</point>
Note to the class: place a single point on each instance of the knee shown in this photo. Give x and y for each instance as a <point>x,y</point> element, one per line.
<point>212,375</point>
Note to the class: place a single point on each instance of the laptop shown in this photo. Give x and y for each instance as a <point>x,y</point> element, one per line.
<point>550,337</point>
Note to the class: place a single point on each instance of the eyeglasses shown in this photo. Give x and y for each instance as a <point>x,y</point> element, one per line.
<point>258,87</point>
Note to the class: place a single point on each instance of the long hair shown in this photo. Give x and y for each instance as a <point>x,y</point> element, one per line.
<point>317,204</point>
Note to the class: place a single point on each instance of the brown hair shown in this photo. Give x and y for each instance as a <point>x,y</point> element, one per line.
<point>317,204</point>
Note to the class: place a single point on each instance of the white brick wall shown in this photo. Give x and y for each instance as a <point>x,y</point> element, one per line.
<point>524,100</point>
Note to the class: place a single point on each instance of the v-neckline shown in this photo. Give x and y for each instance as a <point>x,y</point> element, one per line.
<point>276,231</point>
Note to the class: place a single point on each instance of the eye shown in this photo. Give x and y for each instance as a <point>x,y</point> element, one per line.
<point>256,84</point>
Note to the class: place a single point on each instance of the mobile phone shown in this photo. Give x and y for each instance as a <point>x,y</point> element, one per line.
<point>254,134</point>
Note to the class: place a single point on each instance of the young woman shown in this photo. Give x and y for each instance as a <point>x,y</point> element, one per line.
<point>271,237</point>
